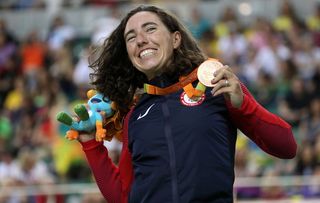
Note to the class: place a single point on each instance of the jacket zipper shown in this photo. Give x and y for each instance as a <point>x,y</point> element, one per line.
<point>172,156</point>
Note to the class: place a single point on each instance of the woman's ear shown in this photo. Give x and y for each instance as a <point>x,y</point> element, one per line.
<point>176,39</point>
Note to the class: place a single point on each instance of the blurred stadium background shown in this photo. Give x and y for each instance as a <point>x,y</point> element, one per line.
<point>272,45</point>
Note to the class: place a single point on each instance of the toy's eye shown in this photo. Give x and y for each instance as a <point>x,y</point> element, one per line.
<point>95,100</point>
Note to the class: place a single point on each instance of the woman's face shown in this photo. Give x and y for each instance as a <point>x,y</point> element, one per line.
<point>149,43</point>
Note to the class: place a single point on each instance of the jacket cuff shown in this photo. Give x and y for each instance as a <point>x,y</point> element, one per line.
<point>91,144</point>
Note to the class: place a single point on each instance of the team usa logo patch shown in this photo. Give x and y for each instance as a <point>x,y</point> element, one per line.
<point>185,100</point>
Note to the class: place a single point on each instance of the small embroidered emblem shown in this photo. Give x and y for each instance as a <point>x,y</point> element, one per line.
<point>185,100</point>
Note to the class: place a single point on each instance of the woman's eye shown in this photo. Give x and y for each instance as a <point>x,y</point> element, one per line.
<point>150,29</point>
<point>130,38</point>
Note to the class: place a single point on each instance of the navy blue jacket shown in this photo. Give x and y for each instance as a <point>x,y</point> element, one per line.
<point>181,153</point>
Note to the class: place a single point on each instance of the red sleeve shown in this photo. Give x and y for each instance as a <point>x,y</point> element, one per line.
<point>105,172</point>
<point>125,163</point>
<point>113,182</point>
<point>268,131</point>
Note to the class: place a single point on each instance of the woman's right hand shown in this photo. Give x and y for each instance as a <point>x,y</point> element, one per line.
<point>83,136</point>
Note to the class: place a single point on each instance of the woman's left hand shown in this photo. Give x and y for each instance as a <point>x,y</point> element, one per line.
<point>228,84</point>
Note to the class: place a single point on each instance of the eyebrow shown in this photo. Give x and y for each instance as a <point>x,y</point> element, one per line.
<point>143,26</point>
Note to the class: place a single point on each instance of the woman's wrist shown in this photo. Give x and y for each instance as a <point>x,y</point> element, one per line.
<point>86,137</point>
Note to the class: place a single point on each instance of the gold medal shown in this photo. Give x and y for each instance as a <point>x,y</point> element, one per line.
<point>206,71</point>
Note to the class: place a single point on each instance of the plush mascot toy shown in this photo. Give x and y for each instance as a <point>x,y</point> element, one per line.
<point>92,116</point>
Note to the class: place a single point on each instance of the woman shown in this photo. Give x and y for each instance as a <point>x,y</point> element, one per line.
<point>175,149</point>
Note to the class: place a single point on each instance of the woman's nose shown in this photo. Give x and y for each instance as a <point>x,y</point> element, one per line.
<point>141,39</point>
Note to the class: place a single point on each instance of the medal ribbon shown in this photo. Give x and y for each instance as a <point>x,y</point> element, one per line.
<point>185,82</point>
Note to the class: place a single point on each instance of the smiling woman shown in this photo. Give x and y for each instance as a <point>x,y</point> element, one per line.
<point>117,77</point>
<point>179,135</point>
<point>149,43</point>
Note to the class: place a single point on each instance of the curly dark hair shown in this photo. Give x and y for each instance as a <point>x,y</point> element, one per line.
<point>115,76</point>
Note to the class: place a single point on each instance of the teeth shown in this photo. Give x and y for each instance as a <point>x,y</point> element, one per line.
<point>147,52</point>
